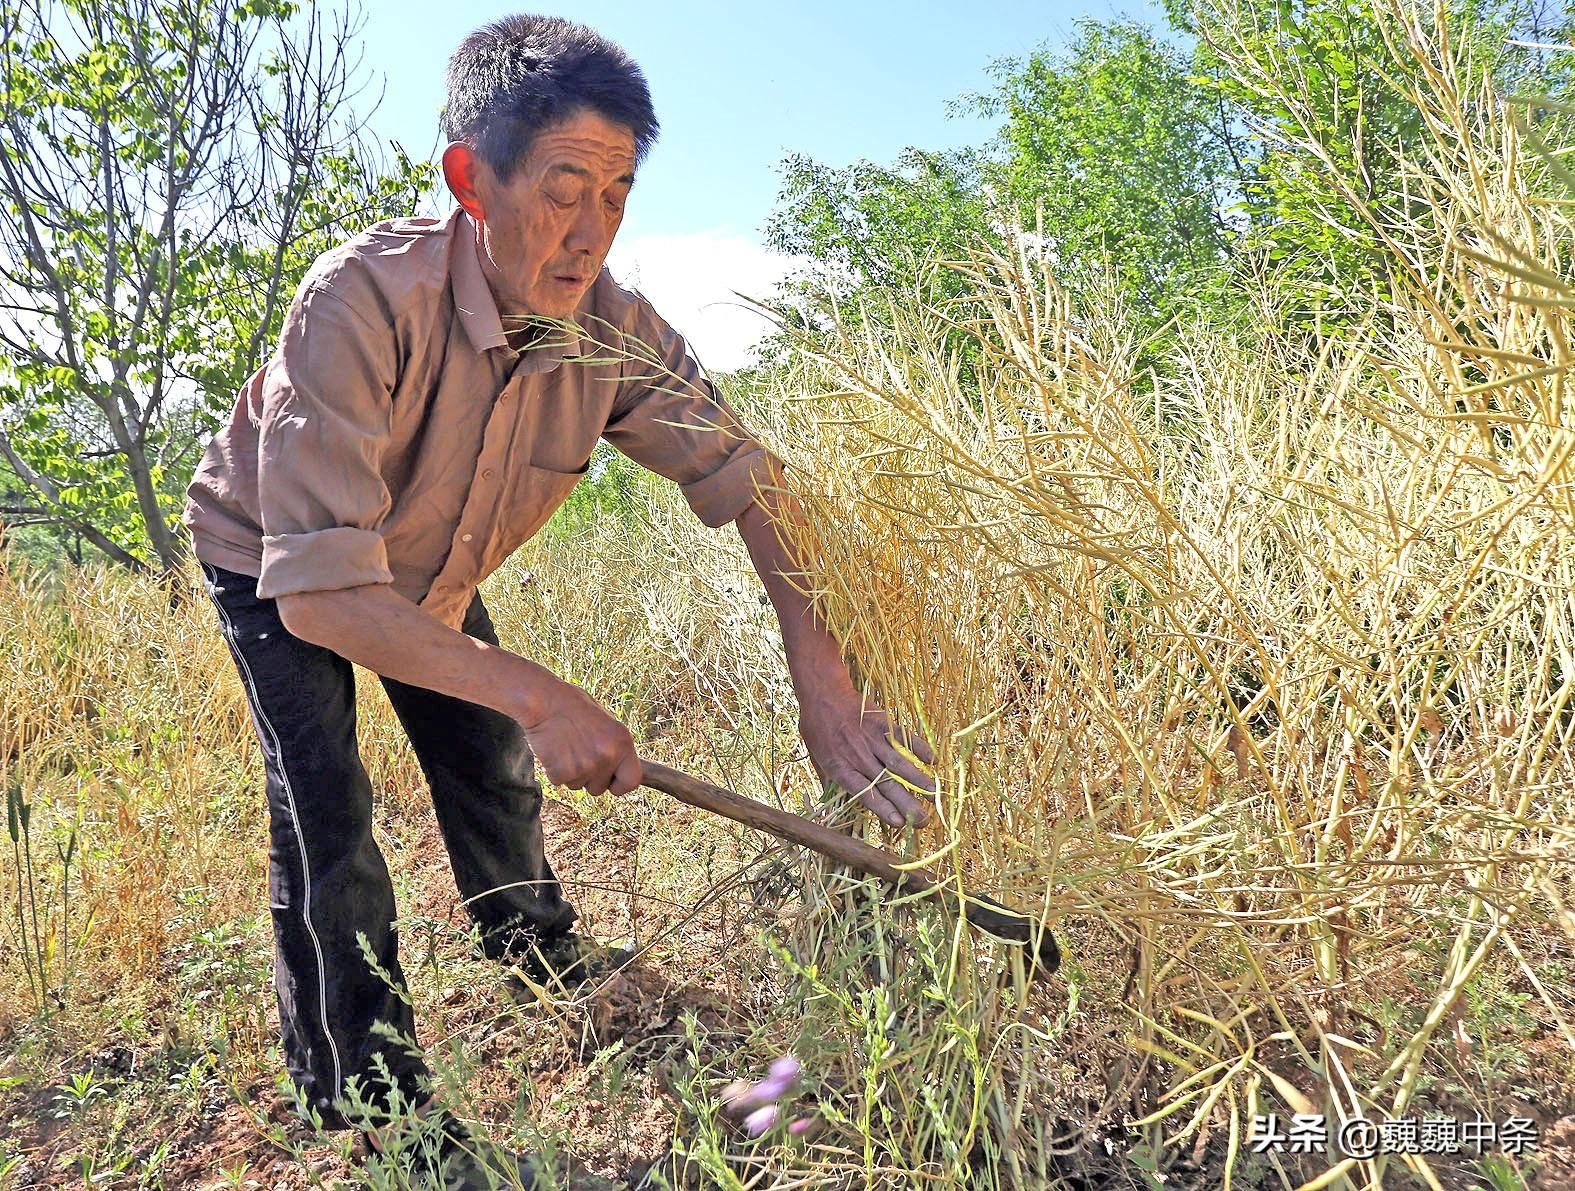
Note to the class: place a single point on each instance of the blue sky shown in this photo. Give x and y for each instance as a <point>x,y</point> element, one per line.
<point>736,88</point>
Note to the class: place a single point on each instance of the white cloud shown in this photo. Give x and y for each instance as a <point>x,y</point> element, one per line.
<point>694,281</point>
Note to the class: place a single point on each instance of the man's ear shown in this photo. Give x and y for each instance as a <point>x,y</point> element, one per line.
<point>460,167</point>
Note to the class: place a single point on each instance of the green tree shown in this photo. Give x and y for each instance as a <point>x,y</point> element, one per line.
<point>862,224</point>
<point>168,168</point>
<point>1106,148</point>
<point>1123,158</point>
<point>1324,98</point>
<point>868,228</point>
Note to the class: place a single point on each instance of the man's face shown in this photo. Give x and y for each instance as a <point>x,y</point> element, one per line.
<point>546,231</point>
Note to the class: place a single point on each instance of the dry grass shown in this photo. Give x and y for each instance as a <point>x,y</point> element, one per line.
<point>125,728</point>
<point>1262,673</point>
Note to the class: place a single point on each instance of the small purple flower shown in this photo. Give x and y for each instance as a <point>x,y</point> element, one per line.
<point>760,1120</point>
<point>739,1097</point>
<point>784,1073</point>
<point>801,1126</point>
<point>770,1088</point>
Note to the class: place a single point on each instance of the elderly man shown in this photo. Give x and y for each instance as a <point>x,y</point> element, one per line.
<point>436,393</point>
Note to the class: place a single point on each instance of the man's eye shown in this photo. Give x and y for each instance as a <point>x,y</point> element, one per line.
<point>614,204</point>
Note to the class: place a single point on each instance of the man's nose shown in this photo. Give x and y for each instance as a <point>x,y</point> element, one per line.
<point>588,230</point>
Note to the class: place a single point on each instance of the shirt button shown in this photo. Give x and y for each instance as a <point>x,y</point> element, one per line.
<point>464,537</point>
<point>487,475</point>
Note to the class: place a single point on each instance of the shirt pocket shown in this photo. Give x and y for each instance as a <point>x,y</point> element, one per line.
<point>535,494</point>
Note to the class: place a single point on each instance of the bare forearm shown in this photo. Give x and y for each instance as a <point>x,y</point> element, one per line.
<point>375,627</point>
<point>814,657</point>
<point>852,742</point>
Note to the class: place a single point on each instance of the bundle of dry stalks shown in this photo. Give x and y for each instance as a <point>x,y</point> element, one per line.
<point>1261,670</point>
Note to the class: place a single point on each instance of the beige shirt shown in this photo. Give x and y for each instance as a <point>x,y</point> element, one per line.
<point>395,437</point>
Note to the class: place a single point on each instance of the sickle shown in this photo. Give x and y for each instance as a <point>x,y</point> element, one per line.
<point>984,912</point>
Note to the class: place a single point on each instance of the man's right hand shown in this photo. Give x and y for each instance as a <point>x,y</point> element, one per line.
<point>581,746</point>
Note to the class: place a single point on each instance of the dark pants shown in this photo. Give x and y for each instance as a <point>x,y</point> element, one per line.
<point>327,881</point>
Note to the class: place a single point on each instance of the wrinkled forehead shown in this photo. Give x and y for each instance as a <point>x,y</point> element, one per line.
<point>585,143</point>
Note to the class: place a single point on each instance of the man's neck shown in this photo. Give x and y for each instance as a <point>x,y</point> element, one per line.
<point>522,331</point>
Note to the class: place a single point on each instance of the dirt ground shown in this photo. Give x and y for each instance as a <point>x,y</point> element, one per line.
<point>700,960</point>
<point>254,1139</point>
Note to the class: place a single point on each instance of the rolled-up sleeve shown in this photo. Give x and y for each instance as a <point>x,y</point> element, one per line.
<point>326,408</point>
<point>668,417</point>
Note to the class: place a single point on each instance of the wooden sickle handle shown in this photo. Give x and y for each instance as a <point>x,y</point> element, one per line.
<point>982,911</point>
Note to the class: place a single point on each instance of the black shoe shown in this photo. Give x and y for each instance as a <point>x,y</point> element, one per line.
<point>563,963</point>
<point>438,1153</point>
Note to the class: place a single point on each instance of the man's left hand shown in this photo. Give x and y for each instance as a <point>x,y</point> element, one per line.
<point>851,743</point>
<point>854,744</point>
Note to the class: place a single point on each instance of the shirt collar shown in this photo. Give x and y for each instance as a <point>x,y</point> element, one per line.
<point>478,309</point>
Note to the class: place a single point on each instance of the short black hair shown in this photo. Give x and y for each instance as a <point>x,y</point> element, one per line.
<point>514,77</point>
